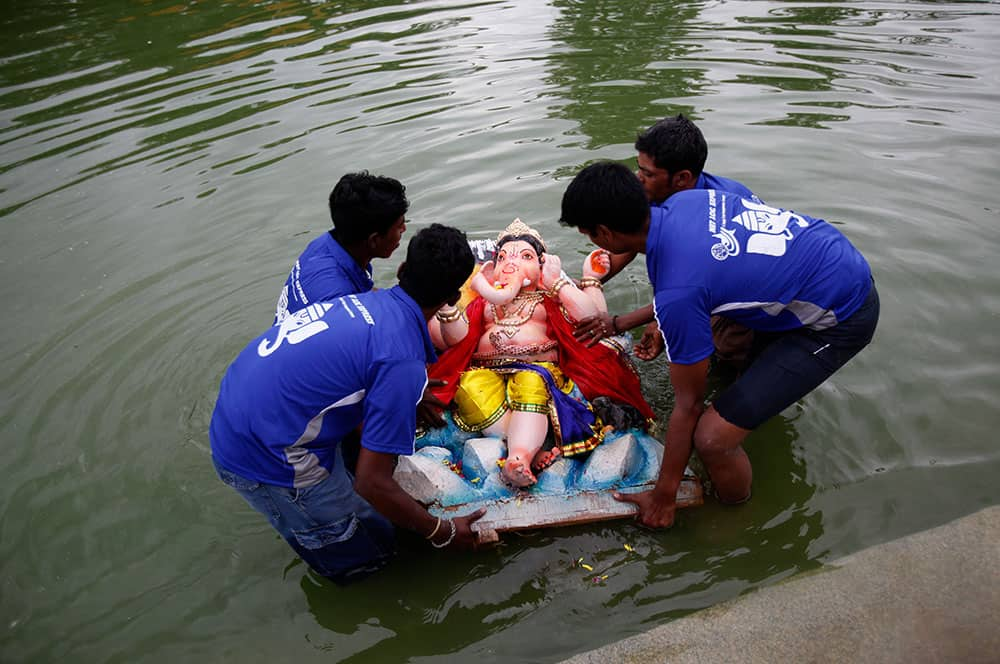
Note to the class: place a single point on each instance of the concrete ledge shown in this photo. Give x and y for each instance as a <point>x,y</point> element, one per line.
<point>929,597</point>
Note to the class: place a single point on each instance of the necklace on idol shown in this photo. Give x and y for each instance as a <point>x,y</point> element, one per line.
<point>515,314</point>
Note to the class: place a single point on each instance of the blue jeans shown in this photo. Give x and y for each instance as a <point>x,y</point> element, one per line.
<point>333,529</point>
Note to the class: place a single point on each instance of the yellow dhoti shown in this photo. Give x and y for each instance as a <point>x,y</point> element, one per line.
<point>484,395</point>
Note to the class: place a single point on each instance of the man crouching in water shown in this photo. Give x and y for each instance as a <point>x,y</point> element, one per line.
<point>294,393</point>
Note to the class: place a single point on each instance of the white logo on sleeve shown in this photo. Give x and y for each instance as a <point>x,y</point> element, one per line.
<point>297,327</point>
<point>281,309</point>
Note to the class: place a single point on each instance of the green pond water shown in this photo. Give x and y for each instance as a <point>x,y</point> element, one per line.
<point>162,163</point>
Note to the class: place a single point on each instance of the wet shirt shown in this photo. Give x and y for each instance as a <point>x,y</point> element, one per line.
<point>324,272</point>
<point>295,391</point>
<point>712,252</point>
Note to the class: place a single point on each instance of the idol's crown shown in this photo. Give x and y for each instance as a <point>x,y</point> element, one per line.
<point>519,229</point>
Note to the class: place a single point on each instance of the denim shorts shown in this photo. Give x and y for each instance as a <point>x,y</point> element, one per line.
<point>791,364</point>
<point>333,529</point>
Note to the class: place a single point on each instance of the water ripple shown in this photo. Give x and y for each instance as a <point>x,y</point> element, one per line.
<point>164,162</point>
<point>164,115</point>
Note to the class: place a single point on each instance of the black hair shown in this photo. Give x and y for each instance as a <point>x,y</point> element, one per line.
<point>607,193</point>
<point>362,204</point>
<point>438,261</point>
<point>530,239</point>
<point>675,144</point>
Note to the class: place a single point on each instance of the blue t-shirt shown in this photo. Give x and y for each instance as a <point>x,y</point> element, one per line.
<point>712,252</point>
<point>289,398</point>
<point>709,181</point>
<point>324,272</point>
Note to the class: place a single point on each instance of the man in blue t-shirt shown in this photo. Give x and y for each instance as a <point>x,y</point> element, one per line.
<point>795,280</point>
<point>368,222</point>
<point>289,399</point>
<point>368,214</point>
<point>671,155</point>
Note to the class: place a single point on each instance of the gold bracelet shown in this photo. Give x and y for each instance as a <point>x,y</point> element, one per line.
<point>587,282</point>
<point>560,282</point>
<point>436,526</point>
<point>448,316</point>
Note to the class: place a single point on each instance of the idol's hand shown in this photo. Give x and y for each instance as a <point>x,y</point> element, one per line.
<point>597,264</point>
<point>551,271</point>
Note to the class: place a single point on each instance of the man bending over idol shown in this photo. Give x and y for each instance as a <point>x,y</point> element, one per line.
<point>513,366</point>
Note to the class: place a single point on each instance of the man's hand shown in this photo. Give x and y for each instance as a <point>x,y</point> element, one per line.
<point>465,538</point>
<point>374,483</point>
<point>654,511</point>
<point>429,408</point>
<point>651,343</point>
<point>591,330</point>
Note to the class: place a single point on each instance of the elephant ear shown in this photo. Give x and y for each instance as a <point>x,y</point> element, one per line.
<point>485,252</point>
<point>468,294</point>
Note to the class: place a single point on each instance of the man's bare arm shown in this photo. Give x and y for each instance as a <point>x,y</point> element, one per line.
<point>592,330</point>
<point>374,483</point>
<point>657,506</point>
<point>618,263</point>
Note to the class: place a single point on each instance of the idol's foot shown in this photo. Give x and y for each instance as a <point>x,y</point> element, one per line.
<point>517,474</point>
<point>545,458</point>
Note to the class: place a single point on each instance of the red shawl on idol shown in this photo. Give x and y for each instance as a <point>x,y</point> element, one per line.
<point>598,371</point>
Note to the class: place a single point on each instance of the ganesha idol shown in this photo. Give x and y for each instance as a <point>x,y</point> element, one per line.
<point>513,368</point>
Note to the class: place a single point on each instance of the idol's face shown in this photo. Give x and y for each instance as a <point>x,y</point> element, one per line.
<point>517,261</point>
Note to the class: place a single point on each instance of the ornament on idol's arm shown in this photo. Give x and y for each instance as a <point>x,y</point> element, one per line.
<point>449,313</point>
<point>596,266</point>
<point>553,277</point>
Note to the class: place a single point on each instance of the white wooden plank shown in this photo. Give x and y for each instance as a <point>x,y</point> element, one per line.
<point>531,511</point>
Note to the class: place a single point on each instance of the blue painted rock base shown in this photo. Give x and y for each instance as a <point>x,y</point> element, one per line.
<point>454,475</point>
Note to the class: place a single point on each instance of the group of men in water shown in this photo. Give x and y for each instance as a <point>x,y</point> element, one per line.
<point>791,288</point>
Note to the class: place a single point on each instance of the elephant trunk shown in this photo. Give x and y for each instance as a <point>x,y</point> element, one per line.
<point>495,294</point>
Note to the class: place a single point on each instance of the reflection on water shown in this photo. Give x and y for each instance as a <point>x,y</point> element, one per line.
<point>164,162</point>
<point>181,86</point>
<point>614,85</point>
